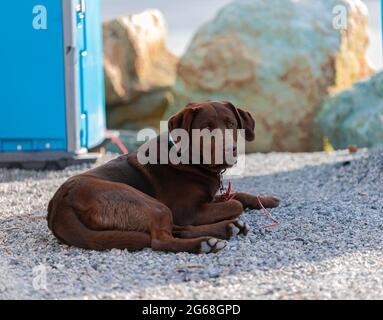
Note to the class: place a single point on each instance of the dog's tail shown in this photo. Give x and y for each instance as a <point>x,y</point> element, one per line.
<point>68,228</point>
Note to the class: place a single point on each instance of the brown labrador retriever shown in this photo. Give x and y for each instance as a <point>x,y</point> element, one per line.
<point>128,205</point>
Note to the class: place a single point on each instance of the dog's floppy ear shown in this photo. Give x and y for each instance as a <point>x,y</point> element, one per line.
<point>248,123</point>
<point>183,119</point>
<point>245,121</point>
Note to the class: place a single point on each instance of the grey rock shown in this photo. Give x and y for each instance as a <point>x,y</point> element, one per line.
<point>355,116</point>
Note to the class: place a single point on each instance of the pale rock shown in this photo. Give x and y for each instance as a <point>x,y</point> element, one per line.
<point>279,60</point>
<point>139,69</point>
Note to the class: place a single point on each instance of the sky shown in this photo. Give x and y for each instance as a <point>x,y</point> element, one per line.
<point>185,17</point>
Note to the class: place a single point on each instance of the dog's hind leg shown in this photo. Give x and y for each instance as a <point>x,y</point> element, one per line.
<point>222,230</point>
<point>163,239</point>
<point>100,215</point>
<point>70,230</point>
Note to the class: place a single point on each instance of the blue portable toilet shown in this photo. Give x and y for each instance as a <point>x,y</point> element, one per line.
<point>52,108</point>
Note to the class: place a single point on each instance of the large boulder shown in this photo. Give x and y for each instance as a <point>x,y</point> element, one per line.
<point>280,61</point>
<point>139,69</point>
<point>355,116</point>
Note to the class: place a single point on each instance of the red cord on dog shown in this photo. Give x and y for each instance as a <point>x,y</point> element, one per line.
<point>268,214</point>
<point>228,195</point>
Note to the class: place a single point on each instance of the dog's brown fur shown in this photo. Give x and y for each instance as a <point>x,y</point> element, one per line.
<point>126,205</point>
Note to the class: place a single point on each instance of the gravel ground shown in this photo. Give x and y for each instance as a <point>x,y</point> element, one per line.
<point>329,244</point>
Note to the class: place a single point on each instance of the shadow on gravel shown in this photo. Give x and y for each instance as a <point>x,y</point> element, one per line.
<point>14,175</point>
<point>326,211</point>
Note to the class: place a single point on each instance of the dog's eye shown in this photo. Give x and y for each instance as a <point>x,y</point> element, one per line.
<point>231,125</point>
<point>208,127</point>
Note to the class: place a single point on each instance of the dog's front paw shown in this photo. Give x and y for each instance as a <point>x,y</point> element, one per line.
<point>273,201</point>
<point>267,202</point>
<point>238,227</point>
<point>212,245</point>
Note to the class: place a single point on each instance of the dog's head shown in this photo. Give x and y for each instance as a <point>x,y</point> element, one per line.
<point>219,120</point>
